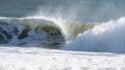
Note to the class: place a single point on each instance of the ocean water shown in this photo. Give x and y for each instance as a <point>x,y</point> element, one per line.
<point>79,25</point>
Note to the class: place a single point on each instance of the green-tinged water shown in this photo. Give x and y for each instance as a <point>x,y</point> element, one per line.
<point>22,32</point>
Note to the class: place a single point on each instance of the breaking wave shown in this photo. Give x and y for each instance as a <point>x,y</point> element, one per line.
<point>62,34</point>
<point>104,37</point>
<point>38,31</point>
<point>30,32</point>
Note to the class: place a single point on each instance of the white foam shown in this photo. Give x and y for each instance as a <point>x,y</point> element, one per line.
<point>22,58</point>
<point>106,37</point>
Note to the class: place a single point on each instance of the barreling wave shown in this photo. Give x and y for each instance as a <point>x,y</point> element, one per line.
<point>38,32</point>
<point>30,32</point>
<point>52,33</point>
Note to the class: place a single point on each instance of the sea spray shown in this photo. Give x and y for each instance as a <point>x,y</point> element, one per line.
<point>70,29</point>
<point>105,37</point>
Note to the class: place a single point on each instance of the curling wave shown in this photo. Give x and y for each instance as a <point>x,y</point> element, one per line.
<point>30,32</point>
<point>38,31</point>
<point>52,33</point>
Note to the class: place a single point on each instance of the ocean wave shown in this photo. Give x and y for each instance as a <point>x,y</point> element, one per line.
<point>30,32</point>
<point>104,37</point>
<point>39,31</point>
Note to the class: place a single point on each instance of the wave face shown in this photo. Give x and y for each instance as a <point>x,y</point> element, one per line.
<point>30,32</point>
<point>105,37</point>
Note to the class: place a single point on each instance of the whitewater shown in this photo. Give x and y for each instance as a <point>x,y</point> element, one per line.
<point>99,37</point>
<point>98,46</point>
<point>104,37</point>
<point>62,35</point>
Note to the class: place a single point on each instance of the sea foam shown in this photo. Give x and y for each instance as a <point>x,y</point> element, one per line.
<point>104,37</point>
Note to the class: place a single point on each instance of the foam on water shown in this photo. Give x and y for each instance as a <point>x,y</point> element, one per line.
<point>30,32</point>
<point>105,37</point>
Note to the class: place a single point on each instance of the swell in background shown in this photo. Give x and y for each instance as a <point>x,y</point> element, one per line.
<point>77,10</point>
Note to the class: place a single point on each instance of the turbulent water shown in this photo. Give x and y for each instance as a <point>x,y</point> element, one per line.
<point>80,25</point>
<point>105,37</point>
<point>30,32</point>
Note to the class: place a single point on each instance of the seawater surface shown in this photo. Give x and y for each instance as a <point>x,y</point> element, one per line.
<point>80,25</point>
